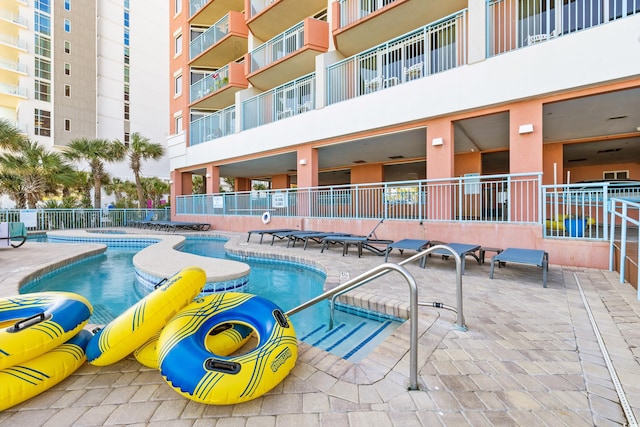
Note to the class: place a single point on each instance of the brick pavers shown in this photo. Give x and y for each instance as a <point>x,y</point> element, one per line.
<point>529,357</point>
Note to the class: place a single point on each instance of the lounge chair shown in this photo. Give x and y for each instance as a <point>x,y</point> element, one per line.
<point>409,244</point>
<point>12,231</point>
<point>178,225</point>
<point>271,231</point>
<point>535,257</point>
<point>462,249</point>
<point>369,242</point>
<point>142,223</point>
<point>314,236</point>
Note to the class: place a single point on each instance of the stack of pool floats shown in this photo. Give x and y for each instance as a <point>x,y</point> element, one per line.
<point>193,340</point>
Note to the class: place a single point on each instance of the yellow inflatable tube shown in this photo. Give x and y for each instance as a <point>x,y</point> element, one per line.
<point>26,380</point>
<point>32,324</point>
<point>223,340</point>
<point>203,376</point>
<point>147,317</point>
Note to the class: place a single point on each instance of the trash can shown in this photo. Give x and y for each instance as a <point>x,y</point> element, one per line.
<point>575,227</point>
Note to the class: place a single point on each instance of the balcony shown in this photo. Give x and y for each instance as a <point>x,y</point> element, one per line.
<point>288,55</point>
<point>361,24</point>
<point>293,98</point>
<point>206,12</point>
<point>212,126</point>
<point>218,89</point>
<point>434,48</point>
<point>512,24</point>
<point>7,41</point>
<point>11,95</point>
<point>13,18</point>
<point>11,70</point>
<point>223,42</point>
<point>267,18</point>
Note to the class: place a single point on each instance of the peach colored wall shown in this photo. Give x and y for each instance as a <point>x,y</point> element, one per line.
<point>440,159</point>
<point>525,151</point>
<point>242,184</point>
<point>280,181</point>
<point>237,75</point>
<point>362,174</point>
<point>308,174</point>
<point>552,155</point>
<point>595,172</point>
<point>237,24</point>
<point>316,34</point>
<point>468,163</point>
<point>213,181</point>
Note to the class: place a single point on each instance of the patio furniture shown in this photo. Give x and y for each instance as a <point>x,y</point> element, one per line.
<point>271,231</point>
<point>361,242</point>
<point>462,249</point>
<point>12,231</point>
<point>374,84</point>
<point>534,257</point>
<point>417,245</point>
<point>413,72</point>
<point>141,223</point>
<point>485,249</point>
<point>315,236</point>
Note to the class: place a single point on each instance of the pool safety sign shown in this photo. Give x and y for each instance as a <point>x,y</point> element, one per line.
<point>279,199</point>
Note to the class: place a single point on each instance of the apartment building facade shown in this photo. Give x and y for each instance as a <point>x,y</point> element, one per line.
<point>326,93</point>
<point>72,69</point>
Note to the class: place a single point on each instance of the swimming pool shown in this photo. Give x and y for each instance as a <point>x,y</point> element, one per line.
<point>108,281</point>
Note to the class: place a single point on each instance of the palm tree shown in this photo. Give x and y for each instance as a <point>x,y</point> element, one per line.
<point>39,172</point>
<point>10,136</point>
<point>155,189</point>
<point>140,149</point>
<point>96,152</point>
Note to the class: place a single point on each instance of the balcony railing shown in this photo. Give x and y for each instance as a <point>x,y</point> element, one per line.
<point>13,41</point>
<point>513,24</point>
<point>210,37</point>
<point>354,10</point>
<point>290,99</point>
<point>497,198</point>
<point>428,50</point>
<point>212,126</point>
<point>13,66</point>
<point>13,90</point>
<point>209,84</point>
<point>196,5</point>
<point>258,6</point>
<point>277,48</point>
<point>68,219</point>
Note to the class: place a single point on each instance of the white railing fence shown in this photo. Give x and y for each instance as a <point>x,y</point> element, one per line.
<point>212,126</point>
<point>627,213</point>
<point>69,219</point>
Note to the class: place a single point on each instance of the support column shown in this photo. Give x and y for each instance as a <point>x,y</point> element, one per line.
<point>242,184</point>
<point>307,167</point>
<point>282,181</point>
<point>440,164</point>
<point>212,183</point>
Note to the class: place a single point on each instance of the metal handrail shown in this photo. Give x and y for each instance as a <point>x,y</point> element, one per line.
<point>460,317</point>
<point>413,315</point>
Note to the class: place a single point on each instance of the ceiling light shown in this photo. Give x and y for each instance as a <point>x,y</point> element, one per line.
<point>617,117</point>
<point>359,161</point>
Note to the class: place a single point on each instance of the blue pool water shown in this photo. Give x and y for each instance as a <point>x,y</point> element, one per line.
<point>108,281</point>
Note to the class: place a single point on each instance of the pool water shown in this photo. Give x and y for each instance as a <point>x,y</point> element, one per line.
<point>108,281</point>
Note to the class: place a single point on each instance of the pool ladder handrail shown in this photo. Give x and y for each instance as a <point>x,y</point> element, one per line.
<point>460,325</point>
<point>381,270</point>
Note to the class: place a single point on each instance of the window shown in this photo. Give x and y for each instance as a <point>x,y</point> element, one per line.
<point>126,93</point>
<point>42,5</point>
<point>67,47</point>
<point>67,125</point>
<point>178,83</point>
<point>42,69</point>
<point>42,46</point>
<point>67,4</point>
<point>178,124</point>
<point>126,111</point>
<point>178,44</point>
<point>42,24</point>
<point>67,26</point>
<point>67,69</point>
<point>42,90</point>
<point>42,122</point>
<point>615,174</point>
<point>126,18</point>
<point>67,91</point>
<point>178,6</point>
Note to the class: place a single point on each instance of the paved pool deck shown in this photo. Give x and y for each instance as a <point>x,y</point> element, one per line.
<point>530,356</point>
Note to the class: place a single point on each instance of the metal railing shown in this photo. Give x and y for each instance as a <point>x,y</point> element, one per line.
<point>434,48</point>
<point>515,24</point>
<point>212,126</point>
<point>290,99</point>
<point>624,212</point>
<point>354,10</point>
<point>413,308</point>
<point>196,5</point>
<point>210,83</point>
<point>257,6</point>
<point>213,35</point>
<point>69,219</point>
<point>491,198</point>
<point>581,210</point>
<point>277,48</point>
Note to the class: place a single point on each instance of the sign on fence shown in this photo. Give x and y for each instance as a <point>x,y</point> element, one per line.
<point>279,199</point>
<point>29,217</point>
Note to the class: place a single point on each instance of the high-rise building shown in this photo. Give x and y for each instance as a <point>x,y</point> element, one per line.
<point>74,69</point>
<point>400,94</point>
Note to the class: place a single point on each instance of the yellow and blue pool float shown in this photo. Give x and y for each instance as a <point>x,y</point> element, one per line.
<point>223,340</point>
<point>32,324</point>
<point>197,373</point>
<point>141,321</point>
<point>32,377</point>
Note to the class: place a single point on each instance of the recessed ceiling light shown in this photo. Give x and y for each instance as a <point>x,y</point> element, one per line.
<point>608,150</point>
<point>576,160</point>
<point>396,157</point>
<point>359,161</point>
<point>617,117</point>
